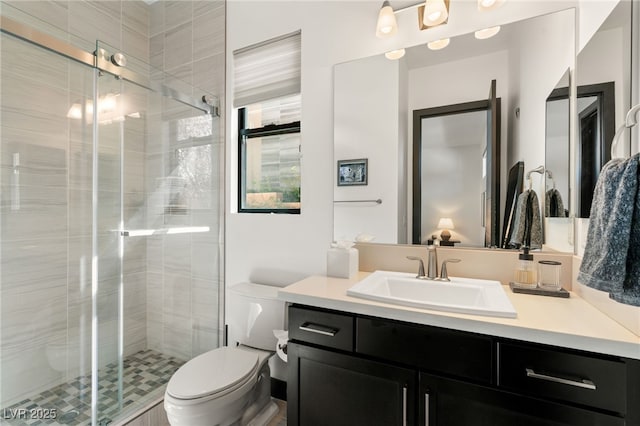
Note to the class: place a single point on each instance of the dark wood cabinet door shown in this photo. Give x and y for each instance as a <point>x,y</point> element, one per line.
<point>446,402</point>
<point>329,388</point>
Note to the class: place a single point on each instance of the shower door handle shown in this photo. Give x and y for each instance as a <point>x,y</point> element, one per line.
<point>483,206</point>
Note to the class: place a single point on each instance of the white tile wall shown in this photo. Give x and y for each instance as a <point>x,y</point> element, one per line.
<point>187,40</point>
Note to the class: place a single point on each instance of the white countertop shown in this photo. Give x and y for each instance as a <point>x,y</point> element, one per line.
<point>570,323</point>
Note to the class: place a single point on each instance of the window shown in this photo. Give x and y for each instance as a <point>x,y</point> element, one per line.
<point>267,95</point>
<point>269,168</point>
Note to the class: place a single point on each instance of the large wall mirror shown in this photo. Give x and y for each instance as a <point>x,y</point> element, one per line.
<point>375,101</point>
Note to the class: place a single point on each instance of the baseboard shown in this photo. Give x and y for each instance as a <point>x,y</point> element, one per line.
<point>279,389</point>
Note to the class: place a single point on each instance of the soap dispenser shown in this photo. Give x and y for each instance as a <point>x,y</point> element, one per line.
<point>525,275</point>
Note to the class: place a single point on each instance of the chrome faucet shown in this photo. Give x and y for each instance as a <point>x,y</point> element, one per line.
<point>432,263</point>
<point>432,266</point>
<point>444,276</point>
<point>420,275</point>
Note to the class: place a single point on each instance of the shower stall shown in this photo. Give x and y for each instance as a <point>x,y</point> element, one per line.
<point>110,230</point>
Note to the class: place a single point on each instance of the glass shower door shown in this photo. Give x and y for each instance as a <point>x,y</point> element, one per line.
<point>156,237</point>
<point>45,235</point>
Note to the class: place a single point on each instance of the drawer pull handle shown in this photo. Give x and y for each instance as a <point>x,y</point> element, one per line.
<point>318,329</point>
<point>426,409</point>
<point>404,406</point>
<point>584,383</point>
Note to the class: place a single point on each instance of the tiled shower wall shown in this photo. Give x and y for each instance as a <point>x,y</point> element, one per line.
<point>171,286</point>
<point>187,40</point>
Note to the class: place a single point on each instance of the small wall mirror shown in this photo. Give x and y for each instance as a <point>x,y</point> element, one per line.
<point>604,97</point>
<point>557,151</point>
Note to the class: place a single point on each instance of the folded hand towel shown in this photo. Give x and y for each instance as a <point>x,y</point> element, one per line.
<point>527,226</point>
<point>553,205</point>
<point>611,260</point>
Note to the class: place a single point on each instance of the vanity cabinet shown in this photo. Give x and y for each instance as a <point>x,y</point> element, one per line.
<point>351,369</point>
<point>332,388</point>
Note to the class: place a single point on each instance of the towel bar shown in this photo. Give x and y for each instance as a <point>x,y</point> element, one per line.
<point>378,201</point>
<point>630,121</point>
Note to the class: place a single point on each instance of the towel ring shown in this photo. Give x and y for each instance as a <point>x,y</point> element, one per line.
<point>630,121</point>
<point>550,176</point>
<point>539,169</point>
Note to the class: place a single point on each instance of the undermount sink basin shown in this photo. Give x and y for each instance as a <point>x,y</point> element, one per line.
<point>463,295</point>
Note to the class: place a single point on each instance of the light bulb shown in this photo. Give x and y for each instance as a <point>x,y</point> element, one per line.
<point>489,4</point>
<point>395,54</point>
<point>387,24</point>
<point>435,13</point>
<point>438,44</point>
<point>487,33</point>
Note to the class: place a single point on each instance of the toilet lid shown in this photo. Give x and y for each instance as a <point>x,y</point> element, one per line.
<point>212,372</point>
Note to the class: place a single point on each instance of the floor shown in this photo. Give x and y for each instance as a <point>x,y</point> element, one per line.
<point>156,416</point>
<point>143,372</point>
<point>280,419</point>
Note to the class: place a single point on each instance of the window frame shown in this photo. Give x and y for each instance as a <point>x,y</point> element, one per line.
<point>243,135</point>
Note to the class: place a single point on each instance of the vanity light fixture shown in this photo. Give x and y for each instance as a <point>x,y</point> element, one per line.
<point>435,12</point>
<point>487,33</point>
<point>485,5</point>
<point>387,24</point>
<point>431,13</point>
<point>395,54</point>
<point>438,44</point>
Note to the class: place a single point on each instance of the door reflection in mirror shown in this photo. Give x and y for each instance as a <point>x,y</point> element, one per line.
<point>596,128</point>
<point>459,152</point>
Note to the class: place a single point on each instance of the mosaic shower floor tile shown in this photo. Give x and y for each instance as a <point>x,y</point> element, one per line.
<point>70,403</point>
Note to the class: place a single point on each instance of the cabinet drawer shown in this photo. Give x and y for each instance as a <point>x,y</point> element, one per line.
<point>554,374</point>
<point>330,329</point>
<point>448,352</point>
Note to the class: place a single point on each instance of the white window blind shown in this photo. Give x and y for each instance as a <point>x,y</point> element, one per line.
<point>267,70</point>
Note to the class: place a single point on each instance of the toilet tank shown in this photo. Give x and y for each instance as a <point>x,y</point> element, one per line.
<point>253,312</point>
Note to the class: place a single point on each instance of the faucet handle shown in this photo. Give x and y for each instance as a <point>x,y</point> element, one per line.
<point>420,268</point>
<point>443,271</point>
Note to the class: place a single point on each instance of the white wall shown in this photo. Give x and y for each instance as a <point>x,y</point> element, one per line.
<point>366,104</point>
<point>540,69</point>
<point>332,32</point>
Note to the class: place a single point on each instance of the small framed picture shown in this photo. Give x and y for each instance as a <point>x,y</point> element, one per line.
<point>352,172</point>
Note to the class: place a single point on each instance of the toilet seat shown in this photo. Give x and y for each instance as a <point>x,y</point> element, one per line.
<point>213,374</point>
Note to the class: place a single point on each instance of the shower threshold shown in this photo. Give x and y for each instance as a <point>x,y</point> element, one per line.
<point>144,374</point>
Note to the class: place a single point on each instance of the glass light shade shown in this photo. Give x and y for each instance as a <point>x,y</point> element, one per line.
<point>489,4</point>
<point>487,33</point>
<point>438,44</point>
<point>395,54</point>
<point>445,223</point>
<point>435,13</point>
<point>387,24</point>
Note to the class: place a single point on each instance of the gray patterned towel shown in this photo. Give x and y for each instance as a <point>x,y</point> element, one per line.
<point>527,226</point>
<point>553,205</point>
<point>611,259</point>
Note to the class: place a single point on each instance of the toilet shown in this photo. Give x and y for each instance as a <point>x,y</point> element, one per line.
<point>231,385</point>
